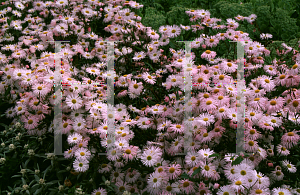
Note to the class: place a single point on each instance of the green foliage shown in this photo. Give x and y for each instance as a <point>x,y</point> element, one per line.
<point>177,16</point>
<point>281,18</point>
<point>153,18</point>
<point>225,9</point>
<point>237,161</point>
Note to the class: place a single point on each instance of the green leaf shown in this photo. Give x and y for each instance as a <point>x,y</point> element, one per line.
<point>35,187</point>
<point>237,161</point>
<point>38,191</point>
<point>52,182</point>
<point>145,193</point>
<point>36,178</point>
<point>45,172</point>
<point>16,176</point>
<point>103,178</point>
<point>53,192</point>
<point>4,125</point>
<point>213,155</point>
<point>185,176</point>
<point>150,66</point>
<point>113,185</point>
<point>196,171</point>
<point>298,164</point>
<point>23,181</point>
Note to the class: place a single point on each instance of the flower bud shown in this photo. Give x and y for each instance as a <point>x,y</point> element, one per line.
<point>270,164</point>
<point>107,183</point>
<point>216,186</point>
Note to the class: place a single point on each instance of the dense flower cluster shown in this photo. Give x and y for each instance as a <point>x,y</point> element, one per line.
<point>85,110</point>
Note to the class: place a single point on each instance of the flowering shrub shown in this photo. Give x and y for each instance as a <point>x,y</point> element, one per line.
<point>149,104</point>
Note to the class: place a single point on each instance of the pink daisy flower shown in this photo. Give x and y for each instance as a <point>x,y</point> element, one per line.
<point>74,101</point>
<point>192,159</point>
<point>129,153</point>
<point>155,180</point>
<point>274,105</point>
<point>69,153</point>
<point>290,139</point>
<point>208,104</point>
<point>139,55</point>
<point>173,171</point>
<point>205,137</point>
<point>151,156</point>
<point>232,24</point>
<point>148,78</point>
<point>206,119</point>
<point>74,138</point>
<point>83,153</point>
<point>99,191</point>
<point>251,146</point>
<point>178,128</point>
<point>229,67</point>
<point>31,122</point>
<point>267,84</point>
<point>174,31</point>
<point>292,80</point>
<point>187,186</point>
<point>212,41</point>
<point>152,34</point>
<point>21,108</point>
<point>185,27</point>
<point>283,151</point>
<point>135,87</point>
<point>207,169</point>
<point>41,89</point>
<point>67,126</point>
<point>81,165</point>
<point>226,190</point>
<point>208,54</point>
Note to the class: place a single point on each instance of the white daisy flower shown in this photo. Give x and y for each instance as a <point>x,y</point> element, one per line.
<point>74,102</point>
<point>150,158</point>
<point>290,167</point>
<point>281,191</point>
<point>192,158</point>
<point>135,87</point>
<point>139,55</point>
<point>81,165</point>
<point>205,153</point>
<point>19,5</point>
<point>93,71</point>
<point>202,13</point>
<point>74,138</point>
<point>174,31</point>
<point>155,180</point>
<point>79,124</point>
<point>148,78</point>
<point>88,12</point>
<point>83,153</point>
<point>206,119</point>
<point>121,143</point>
